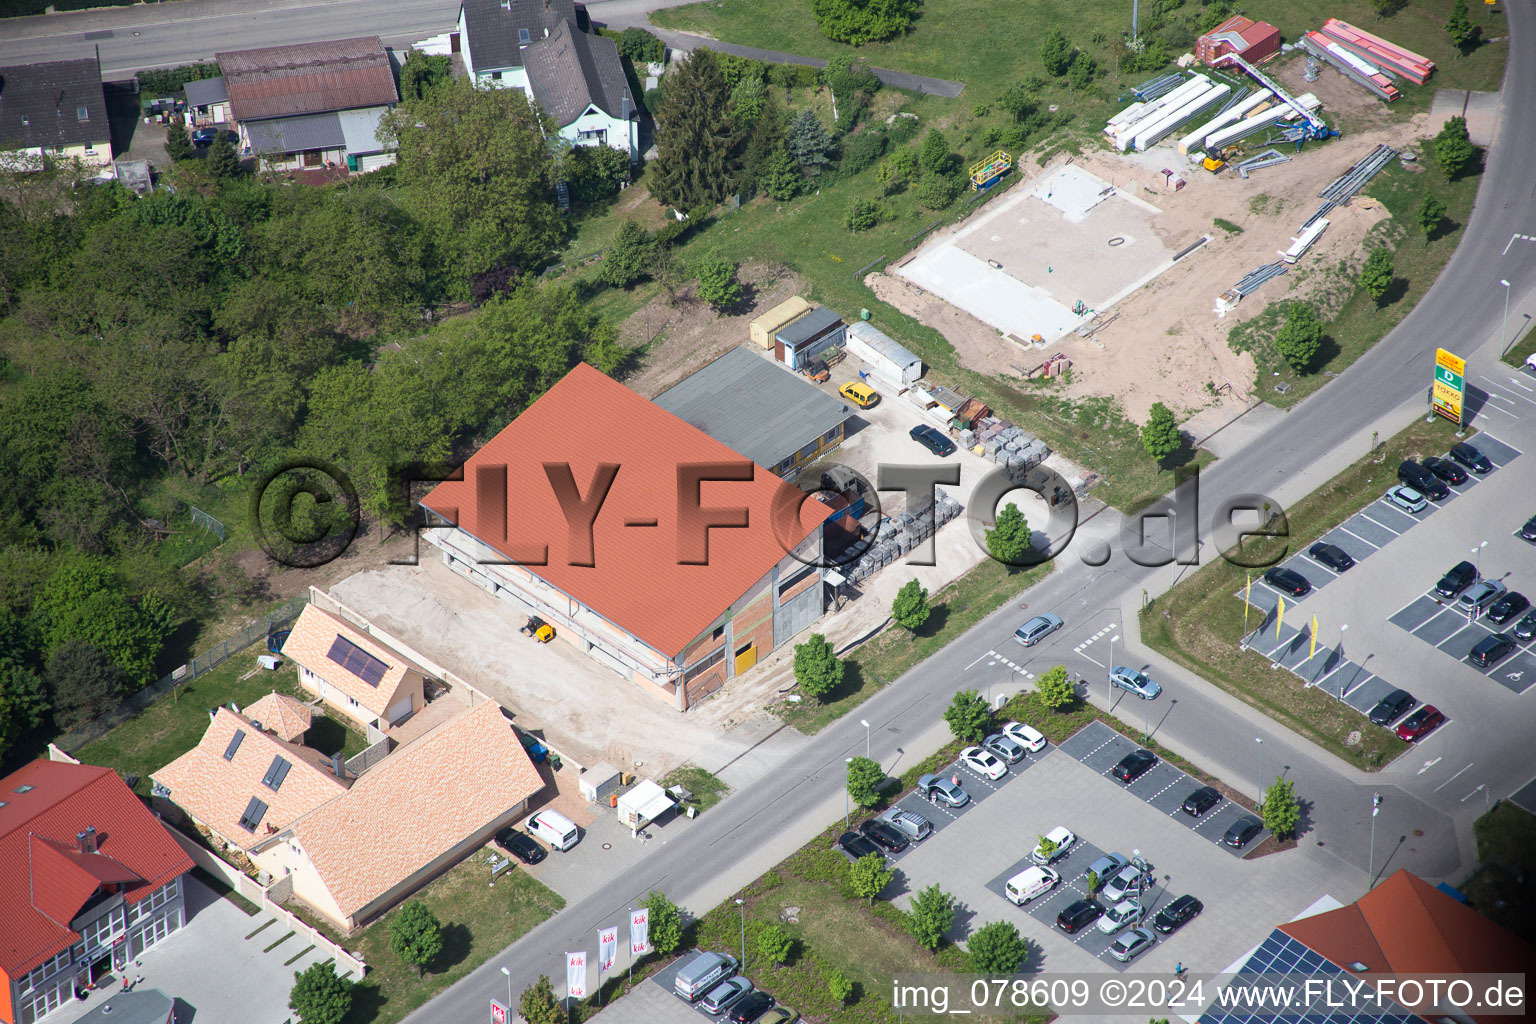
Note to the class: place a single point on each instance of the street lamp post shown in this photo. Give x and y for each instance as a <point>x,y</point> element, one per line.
<point>846,810</point>
<point>1504,328</point>
<point>1341,660</point>
<point>1260,741</point>
<point>509,988</point>
<point>1375,809</point>
<point>1109,688</point>
<point>743,905</point>
<point>866,736</point>
<point>1477,553</point>
<point>989,684</point>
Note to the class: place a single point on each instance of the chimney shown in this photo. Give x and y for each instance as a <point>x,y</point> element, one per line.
<point>85,841</point>
<point>257,725</point>
<point>338,766</point>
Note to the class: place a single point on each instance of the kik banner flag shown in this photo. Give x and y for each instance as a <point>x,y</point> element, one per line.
<point>1312,652</point>
<point>1247,589</point>
<point>1279,617</point>
<point>639,932</point>
<point>607,948</point>
<point>576,975</point>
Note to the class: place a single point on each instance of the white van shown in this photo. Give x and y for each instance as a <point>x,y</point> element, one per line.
<point>701,973</point>
<point>1029,883</point>
<point>555,829</point>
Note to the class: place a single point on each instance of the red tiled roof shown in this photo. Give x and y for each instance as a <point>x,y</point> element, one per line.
<point>309,78</point>
<point>44,880</point>
<point>636,580</point>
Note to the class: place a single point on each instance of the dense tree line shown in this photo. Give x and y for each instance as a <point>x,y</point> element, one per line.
<point>203,334</point>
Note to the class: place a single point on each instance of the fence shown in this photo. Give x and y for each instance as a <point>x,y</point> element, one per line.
<point>136,703</point>
<point>206,521</point>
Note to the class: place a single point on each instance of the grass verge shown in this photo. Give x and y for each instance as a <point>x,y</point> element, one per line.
<point>1199,623</point>
<point>1500,888</point>
<point>706,789</point>
<point>1523,346</point>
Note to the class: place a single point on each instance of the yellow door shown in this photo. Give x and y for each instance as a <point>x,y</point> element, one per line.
<point>746,658</point>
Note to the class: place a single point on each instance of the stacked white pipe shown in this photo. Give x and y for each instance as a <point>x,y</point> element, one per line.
<point>1167,123</point>
<point>1122,128</point>
<point>1248,125</point>
<point>1195,140</point>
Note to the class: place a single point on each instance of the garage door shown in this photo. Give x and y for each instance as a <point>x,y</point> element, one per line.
<point>746,658</point>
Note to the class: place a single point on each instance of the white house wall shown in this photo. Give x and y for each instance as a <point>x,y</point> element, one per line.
<point>621,134</point>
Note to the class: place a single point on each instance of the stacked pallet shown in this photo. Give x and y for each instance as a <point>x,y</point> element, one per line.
<point>1389,56</point>
<point>1352,67</point>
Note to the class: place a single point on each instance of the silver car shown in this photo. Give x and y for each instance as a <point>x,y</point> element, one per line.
<point>909,823</point>
<point>1126,882</point>
<point>1132,681</point>
<point>725,995</point>
<point>1037,629</point>
<point>1480,595</point>
<point>1005,747</point>
<point>1118,916</point>
<point>1131,944</point>
<point>940,790</point>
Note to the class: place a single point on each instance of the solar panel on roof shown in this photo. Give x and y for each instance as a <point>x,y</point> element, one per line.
<point>1280,954</point>
<point>357,661</point>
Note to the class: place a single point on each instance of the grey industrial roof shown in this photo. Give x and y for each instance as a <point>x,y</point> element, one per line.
<point>308,78</point>
<point>141,1006</point>
<point>40,105</point>
<point>491,28</point>
<point>360,129</point>
<point>207,90</point>
<point>294,134</point>
<point>754,406</point>
<point>571,70</point>
<point>815,321</point>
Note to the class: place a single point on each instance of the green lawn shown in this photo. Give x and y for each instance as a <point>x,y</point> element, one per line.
<point>1500,889</point>
<point>173,725</point>
<point>1524,344</point>
<point>1198,623</point>
<point>707,790</point>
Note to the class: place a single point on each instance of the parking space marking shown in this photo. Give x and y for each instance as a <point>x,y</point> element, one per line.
<point>1498,459</point>
<point>1366,512</point>
<point>1344,528</point>
<point>1502,387</point>
<point>1314,562</point>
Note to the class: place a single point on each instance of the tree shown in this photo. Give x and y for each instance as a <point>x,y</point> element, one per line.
<point>1301,337</point>
<point>936,191</point>
<point>538,1004</point>
<point>423,74</point>
<point>640,46</point>
<point>696,136</point>
<point>223,162</point>
<point>1080,75</point>
<point>630,257</point>
<point>869,876</point>
<point>931,916</point>
<point>23,702</point>
<point>1431,212</point>
<point>774,944</point>
<point>898,169</point>
<point>864,778</point>
<point>178,144</point>
<point>996,948</point>
<point>1281,811</point>
<point>1387,8</point>
<point>717,282</point>
<point>1160,435</point>
<point>933,156</point>
<point>839,987</point>
<point>1055,689</point>
<point>782,177</point>
<point>968,716</point>
<point>863,21</point>
<point>817,669</point>
<point>415,935</point>
<point>83,683</point>
<point>594,172</point>
<point>319,995</point>
<point>809,140</point>
<point>910,609</point>
<point>666,923</point>
<point>1453,147</point>
<point>1009,541</point>
<point>1377,275</point>
<point>1459,27</point>
<point>748,99</point>
<point>1092,880</point>
<point>1056,53</point>
<point>863,214</point>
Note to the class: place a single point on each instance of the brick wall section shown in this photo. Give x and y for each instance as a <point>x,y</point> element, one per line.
<point>811,580</point>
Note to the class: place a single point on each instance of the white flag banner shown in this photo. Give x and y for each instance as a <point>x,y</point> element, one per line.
<point>607,948</point>
<point>639,932</point>
<point>576,975</point>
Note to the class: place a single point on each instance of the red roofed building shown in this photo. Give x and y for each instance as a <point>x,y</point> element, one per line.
<point>1251,40</point>
<point>89,879</point>
<point>697,562</point>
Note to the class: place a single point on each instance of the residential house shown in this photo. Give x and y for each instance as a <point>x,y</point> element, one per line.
<point>697,564</point>
<point>777,419</point>
<point>207,101</point>
<point>311,105</point>
<point>352,672</point>
<point>89,881</point>
<point>539,46</point>
<point>55,109</point>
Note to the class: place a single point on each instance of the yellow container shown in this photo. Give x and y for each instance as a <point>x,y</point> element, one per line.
<point>764,327</point>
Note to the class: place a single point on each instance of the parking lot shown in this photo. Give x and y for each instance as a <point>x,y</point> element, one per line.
<point>654,1003</point>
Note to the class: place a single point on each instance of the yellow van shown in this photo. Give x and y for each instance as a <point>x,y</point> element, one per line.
<point>859,393</point>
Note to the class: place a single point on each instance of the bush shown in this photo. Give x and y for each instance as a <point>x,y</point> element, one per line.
<point>319,995</point>
<point>717,282</point>
<point>423,74</point>
<point>1080,74</point>
<point>838,986</point>
<point>782,178</point>
<point>1377,275</point>
<point>178,144</point>
<point>910,609</point>
<point>968,716</point>
<point>903,129</point>
<point>864,214</point>
<point>1431,212</point>
<point>1160,436</point>
<point>1056,52</point>
<point>774,944</point>
<point>416,935</point>
<point>666,923</point>
<point>594,173</point>
<point>861,151</point>
<point>869,876</point>
<point>932,914</point>
<point>1055,689</point>
<point>817,669</point>
<point>863,21</point>
<point>640,46</point>
<point>1453,148</point>
<point>996,948</point>
<point>937,191</point>
<point>1301,337</point>
<point>864,778</point>
<point>630,257</point>
<point>157,82</point>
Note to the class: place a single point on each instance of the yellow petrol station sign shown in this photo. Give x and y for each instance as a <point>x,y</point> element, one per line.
<point>1450,384</point>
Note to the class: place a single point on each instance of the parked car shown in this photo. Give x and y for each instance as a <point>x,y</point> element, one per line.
<point>1333,556</point>
<point>1470,457</point>
<point>752,1006</point>
<point>931,439</point>
<point>1121,914</point>
<point>860,394</point>
<point>1037,629</point>
<point>1480,595</point>
<point>1491,649</point>
<point>1078,914</point>
<point>1507,607</point>
<point>1126,882</point>
<point>1026,736</point>
<point>1177,914</point>
<point>1062,837</point>
<point>1134,765</point>
<point>1445,469</point>
<point>778,1015</point>
<point>1421,480</point>
<point>701,973</point>
<point>1420,724</point>
<point>857,846</point>
<point>940,790</point>
<point>983,762</point>
<point>1288,581</point>
<point>1005,747</point>
<point>1392,707</point>
<point>1525,629</point>
<point>1029,883</point>
<point>1242,831</point>
<point>725,995</point>
<point>1132,944</point>
<point>208,136</point>
<point>884,835</point>
<point>520,845</point>
<point>1407,499</point>
<point>909,823</point>
<point>1201,800</point>
<point>1528,531</point>
<point>1132,681</point>
<point>1457,579</point>
<point>1106,866</point>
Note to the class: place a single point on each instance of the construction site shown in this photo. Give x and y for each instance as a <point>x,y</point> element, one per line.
<point>1213,190</point>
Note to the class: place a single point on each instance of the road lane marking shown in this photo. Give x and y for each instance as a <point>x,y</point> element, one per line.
<point>1453,778</point>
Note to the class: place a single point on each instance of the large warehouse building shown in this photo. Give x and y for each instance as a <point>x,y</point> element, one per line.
<point>686,562</point>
